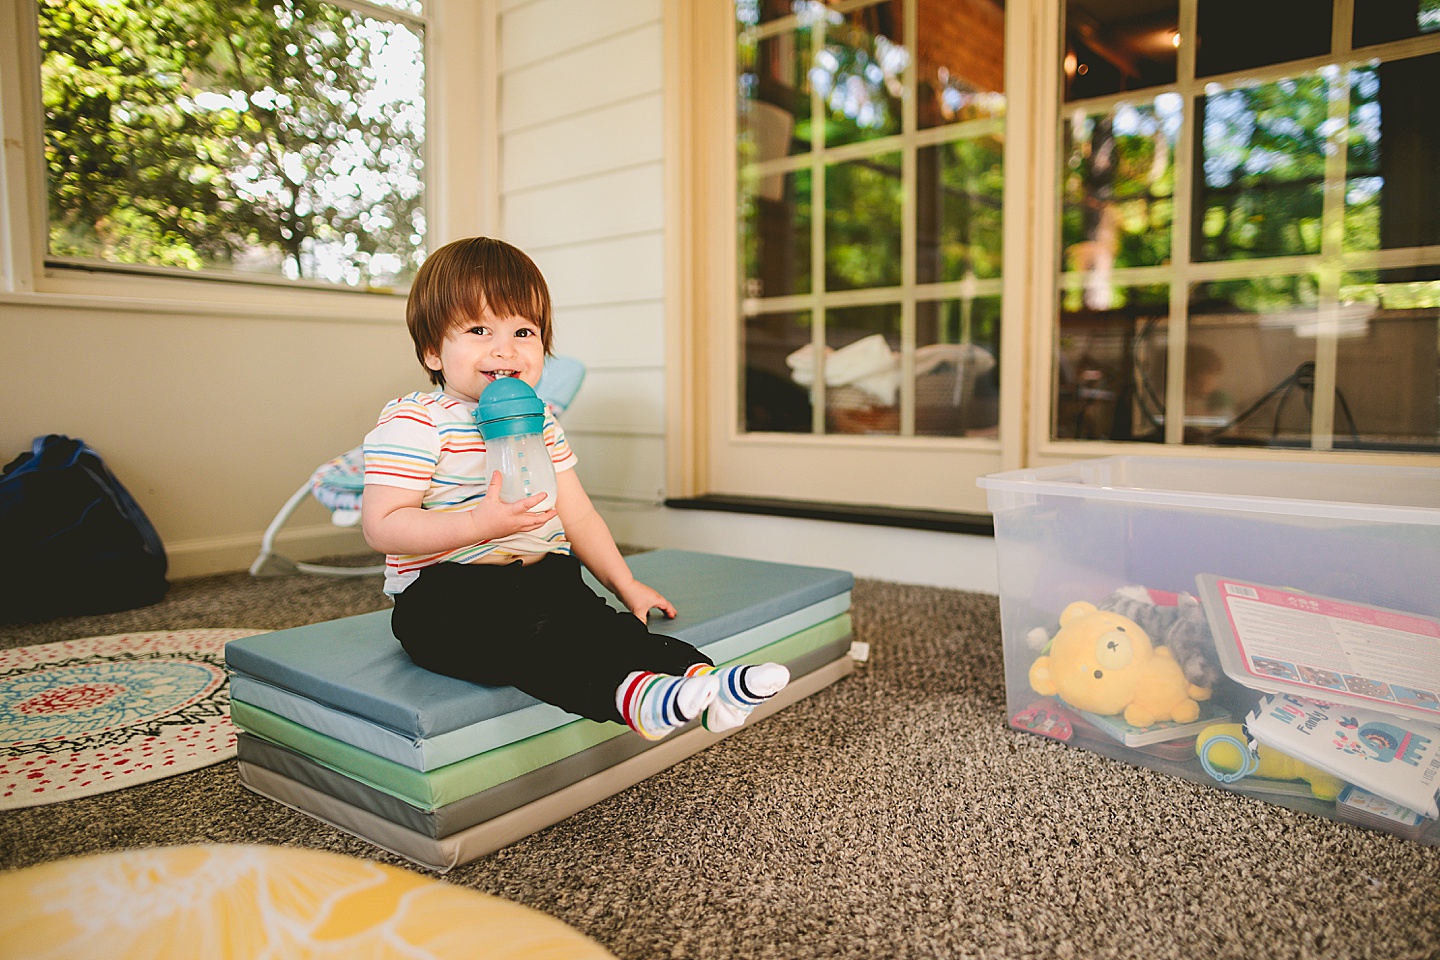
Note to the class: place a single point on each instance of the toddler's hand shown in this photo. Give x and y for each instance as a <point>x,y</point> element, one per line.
<point>640,600</point>
<point>494,518</point>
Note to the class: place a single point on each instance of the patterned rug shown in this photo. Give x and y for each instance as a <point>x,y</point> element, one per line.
<point>82,717</point>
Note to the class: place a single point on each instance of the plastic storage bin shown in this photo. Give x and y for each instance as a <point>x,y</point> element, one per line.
<point>1297,605</point>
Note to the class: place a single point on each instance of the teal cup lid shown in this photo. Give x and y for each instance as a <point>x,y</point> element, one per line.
<point>509,407</point>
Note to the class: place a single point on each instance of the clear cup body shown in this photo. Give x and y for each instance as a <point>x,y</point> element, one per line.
<point>525,468</point>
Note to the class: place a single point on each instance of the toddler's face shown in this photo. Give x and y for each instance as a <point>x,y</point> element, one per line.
<point>475,353</point>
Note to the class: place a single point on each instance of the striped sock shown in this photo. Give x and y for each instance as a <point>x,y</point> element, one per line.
<point>742,689</point>
<point>654,704</point>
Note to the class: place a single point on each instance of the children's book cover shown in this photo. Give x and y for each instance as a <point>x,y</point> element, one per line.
<point>1283,641</point>
<point>1393,757</point>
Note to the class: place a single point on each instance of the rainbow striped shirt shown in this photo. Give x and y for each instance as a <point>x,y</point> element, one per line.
<point>429,442</point>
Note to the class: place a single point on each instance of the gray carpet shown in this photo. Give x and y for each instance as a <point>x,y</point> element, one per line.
<point>892,815</point>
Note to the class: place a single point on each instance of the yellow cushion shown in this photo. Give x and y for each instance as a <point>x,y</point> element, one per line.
<point>242,901</point>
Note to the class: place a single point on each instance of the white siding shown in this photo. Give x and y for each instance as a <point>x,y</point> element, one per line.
<point>547,28</point>
<point>579,146</point>
<point>618,400</point>
<point>597,75</point>
<point>581,190</point>
<point>617,335</point>
<point>619,270</point>
<point>593,208</point>
<point>633,466</point>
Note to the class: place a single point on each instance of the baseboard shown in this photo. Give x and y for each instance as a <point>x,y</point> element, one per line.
<point>202,556</point>
<point>928,557</point>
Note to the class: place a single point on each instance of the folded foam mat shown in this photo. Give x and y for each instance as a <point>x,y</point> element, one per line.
<point>355,666</point>
<point>429,790</point>
<point>487,804</point>
<point>446,852</point>
<point>438,750</point>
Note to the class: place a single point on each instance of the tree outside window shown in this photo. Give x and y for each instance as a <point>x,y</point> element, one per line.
<point>279,139</point>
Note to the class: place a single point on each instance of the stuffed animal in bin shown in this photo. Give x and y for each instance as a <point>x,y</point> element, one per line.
<point>1103,662</point>
<point>1172,620</point>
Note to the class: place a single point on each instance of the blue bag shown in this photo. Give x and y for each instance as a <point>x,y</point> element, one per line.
<point>72,539</point>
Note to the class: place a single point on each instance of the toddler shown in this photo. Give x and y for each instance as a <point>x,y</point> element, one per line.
<point>491,592</point>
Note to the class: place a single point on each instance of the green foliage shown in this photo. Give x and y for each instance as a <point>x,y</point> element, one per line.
<point>971,221</point>
<point>862,223</point>
<point>1261,192</point>
<point>1119,186</point>
<point>234,134</point>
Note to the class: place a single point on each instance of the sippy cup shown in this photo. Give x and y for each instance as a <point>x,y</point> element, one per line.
<point>512,421</point>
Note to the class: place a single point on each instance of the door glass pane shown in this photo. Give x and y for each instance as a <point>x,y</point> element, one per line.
<point>862,369</point>
<point>753,12</point>
<point>943,266</point>
<point>776,387</point>
<point>1387,381</point>
<point>1272,104</point>
<point>960,61</point>
<point>1260,380</point>
<point>862,223</point>
<point>1114,47</point>
<point>775,94</point>
<point>1263,160</point>
<point>1235,36</point>
<point>1392,195</point>
<point>957,372</point>
<point>958,190</point>
<point>1119,185</point>
<point>775,232</point>
<point>1106,385</point>
<point>1381,22</point>
<point>858,73</point>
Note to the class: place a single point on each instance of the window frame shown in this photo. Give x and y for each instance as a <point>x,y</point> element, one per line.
<point>703,294</point>
<point>460,131</point>
<point>1330,263</point>
<point>702,267</point>
<point>820,301</point>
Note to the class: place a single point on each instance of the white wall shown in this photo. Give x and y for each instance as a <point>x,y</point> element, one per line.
<point>582,191</point>
<point>210,420</point>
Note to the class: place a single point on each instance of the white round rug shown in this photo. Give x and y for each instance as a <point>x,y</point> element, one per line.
<point>82,717</point>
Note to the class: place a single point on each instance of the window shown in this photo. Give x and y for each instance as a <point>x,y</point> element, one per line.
<point>1250,226</point>
<point>281,140</point>
<point>853,302</point>
<point>871,139</point>
<point>864,276</point>
<point>1191,233</point>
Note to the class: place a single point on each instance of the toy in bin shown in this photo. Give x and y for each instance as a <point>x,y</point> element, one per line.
<point>1102,662</point>
<point>1224,752</point>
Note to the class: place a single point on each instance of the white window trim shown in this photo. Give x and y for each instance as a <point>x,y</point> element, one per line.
<point>701,270</point>
<point>461,159</point>
<point>1043,451</point>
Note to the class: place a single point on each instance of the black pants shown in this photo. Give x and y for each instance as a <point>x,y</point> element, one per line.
<point>539,628</point>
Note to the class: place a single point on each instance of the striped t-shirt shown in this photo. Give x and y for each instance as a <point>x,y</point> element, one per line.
<point>430,442</point>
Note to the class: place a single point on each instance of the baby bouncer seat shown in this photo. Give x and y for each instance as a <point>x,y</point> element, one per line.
<point>338,484</point>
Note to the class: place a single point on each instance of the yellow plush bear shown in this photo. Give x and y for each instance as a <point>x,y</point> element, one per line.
<point>1102,662</point>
